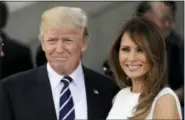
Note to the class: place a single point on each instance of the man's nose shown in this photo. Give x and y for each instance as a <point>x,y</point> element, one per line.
<point>60,46</point>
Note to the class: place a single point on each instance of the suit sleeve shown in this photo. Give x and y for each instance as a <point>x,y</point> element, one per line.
<point>182,60</point>
<point>1,103</point>
<point>6,109</point>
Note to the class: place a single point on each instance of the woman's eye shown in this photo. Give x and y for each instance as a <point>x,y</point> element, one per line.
<point>139,50</point>
<point>125,49</point>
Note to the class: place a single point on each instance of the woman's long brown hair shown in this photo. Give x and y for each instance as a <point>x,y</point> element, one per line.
<point>147,36</point>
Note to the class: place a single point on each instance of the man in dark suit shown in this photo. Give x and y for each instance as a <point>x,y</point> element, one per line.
<point>1,103</point>
<point>1,92</point>
<point>163,13</point>
<point>63,88</point>
<point>17,57</point>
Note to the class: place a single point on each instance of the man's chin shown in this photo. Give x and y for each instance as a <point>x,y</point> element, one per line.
<point>61,70</point>
<point>61,66</point>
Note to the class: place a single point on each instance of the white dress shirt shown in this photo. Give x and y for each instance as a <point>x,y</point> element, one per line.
<point>77,88</point>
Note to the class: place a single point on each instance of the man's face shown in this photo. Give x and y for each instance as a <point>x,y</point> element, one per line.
<point>1,53</point>
<point>63,49</point>
<point>162,15</point>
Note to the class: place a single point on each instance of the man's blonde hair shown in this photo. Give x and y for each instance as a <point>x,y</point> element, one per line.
<point>63,17</point>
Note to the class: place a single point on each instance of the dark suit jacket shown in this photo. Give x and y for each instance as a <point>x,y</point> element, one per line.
<point>29,95</point>
<point>17,57</point>
<point>1,101</point>
<point>175,55</point>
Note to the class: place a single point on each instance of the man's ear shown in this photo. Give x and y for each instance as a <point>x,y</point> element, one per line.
<point>1,53</point>
<point>148,14</point>
<point>42,45</point>
<point>85,43</point>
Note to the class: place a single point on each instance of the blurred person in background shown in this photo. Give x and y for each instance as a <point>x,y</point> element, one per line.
<point>40,57</point>
<point>106,69</point>
<point>1,47</point>
<point>1,103</point>
<point>1,93</point>
<point>163,13</point>
<point>16,57</point>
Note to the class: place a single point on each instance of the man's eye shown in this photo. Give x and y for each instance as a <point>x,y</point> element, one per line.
<point>52,40</point>
<point>68,40</point>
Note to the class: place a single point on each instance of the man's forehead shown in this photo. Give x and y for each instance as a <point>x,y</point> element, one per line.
<point>66,31</point>
<point>160,8</point>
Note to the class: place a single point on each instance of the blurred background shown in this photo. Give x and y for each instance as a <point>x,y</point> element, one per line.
<point>105,19</point>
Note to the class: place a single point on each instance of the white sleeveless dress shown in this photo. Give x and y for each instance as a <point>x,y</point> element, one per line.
<point>125,102</point>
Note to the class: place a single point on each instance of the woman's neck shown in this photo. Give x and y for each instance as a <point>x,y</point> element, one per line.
<point>137,86</point>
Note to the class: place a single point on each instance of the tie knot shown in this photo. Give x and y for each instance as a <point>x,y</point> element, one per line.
<point>66,80</point>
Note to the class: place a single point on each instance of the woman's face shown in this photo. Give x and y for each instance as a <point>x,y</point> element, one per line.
<point>132,58</point>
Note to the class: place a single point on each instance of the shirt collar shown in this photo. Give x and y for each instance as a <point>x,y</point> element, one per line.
<point>77,76</point>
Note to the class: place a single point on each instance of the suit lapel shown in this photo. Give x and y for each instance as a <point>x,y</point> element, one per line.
<point>40,93</point>
<point>93,98</point>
